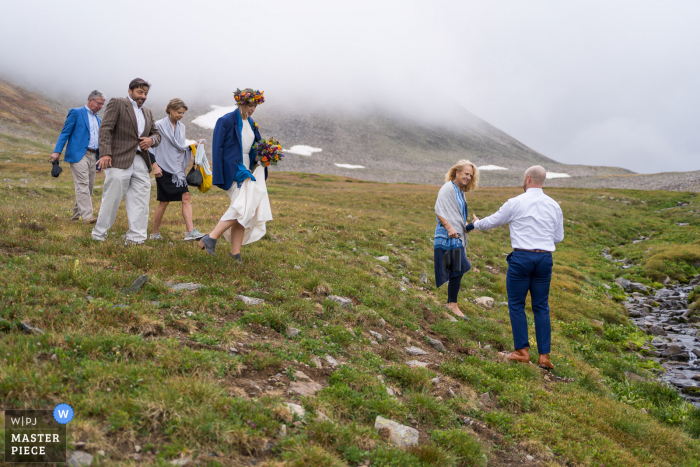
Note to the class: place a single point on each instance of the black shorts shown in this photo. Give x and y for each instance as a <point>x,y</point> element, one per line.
<point>167,191</point>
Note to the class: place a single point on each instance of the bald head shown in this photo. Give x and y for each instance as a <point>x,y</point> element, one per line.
<point>537,176</point>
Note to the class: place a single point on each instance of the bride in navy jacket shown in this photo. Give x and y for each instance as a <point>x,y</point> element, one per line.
<point>235,170</point>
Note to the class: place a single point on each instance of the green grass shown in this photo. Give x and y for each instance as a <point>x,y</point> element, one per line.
<point>140,369</point>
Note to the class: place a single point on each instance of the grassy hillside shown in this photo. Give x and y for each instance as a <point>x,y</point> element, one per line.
<point>155,368</point>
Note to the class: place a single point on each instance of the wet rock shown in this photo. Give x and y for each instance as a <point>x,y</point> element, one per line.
<point>657,331</point>
<point>486,302</point>
<point>622,282</point>
<point>437,345</point>
<point>137,284</point>
<point>344,302</point>
<point>79,458</point>
<point>398,435</point>
<point>415,351</point>
<point>189,286</point>
<point>250,301</point>
<point>673,349</point>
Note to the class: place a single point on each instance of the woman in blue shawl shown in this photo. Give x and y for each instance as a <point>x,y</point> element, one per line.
<point>233,158</point>
<point>450,242</point>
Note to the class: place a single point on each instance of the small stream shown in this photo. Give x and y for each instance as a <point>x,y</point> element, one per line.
<point>676,345</point>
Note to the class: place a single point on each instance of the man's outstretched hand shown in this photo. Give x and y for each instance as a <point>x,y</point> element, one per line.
<point>475,218</point>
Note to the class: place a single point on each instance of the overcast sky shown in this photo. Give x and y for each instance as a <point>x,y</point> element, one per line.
<point>586,82</point>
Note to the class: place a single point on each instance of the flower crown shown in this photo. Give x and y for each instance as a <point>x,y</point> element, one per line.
<point>249,97</point>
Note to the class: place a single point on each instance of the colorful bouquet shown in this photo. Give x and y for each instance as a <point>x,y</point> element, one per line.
<point>249,96</point>
<point>269,151</point>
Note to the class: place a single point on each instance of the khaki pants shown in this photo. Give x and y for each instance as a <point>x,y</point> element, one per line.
<point>83,181</point>
<point>135,183</point>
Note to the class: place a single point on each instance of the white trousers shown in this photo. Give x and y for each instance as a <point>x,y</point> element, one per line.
<point>135,183</point>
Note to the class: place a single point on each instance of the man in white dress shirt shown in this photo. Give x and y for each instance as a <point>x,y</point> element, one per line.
<point>536,225</point>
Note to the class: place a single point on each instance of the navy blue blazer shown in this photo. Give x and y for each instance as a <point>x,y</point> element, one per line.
<point>227,151</point>
<point>76,131</point>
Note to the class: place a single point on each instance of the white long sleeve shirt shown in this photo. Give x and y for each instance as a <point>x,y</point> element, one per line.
<point>94,129</point>
<point>140,119</point>
<point>536,221</point>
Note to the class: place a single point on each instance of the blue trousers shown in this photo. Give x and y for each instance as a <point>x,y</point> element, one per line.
<point>529,271</point>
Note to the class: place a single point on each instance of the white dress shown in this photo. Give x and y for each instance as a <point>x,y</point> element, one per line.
<point>250,204</point>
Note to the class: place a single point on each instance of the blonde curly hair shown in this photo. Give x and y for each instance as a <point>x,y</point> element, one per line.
<point>452,173</point>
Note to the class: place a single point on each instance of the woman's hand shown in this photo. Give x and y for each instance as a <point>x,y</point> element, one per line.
<point>452,233</point>
<point>157,171</point>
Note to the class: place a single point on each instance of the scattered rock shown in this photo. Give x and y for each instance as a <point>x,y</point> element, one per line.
<point>137,448</point>
<point>634,377</point>
<point>342,301</point>
<point>283,431</point>
<point>415,351</point>
<point>189,313</point>
<point>667,281</point>
<point>657,331</point>
<point>622,282</point>
<point>293,332</point>
<point>398,435</point>
<point>189,286</point>
<point>598,323</point>
<point>376,335</point>
<point>250,301</point>
<point>322,417</point>
<point>390,391</point>
<point>30,329</point>
<point>416,364</point>
<point>485,397</point>
<point>423,278</point>
<point>331,361</point>
<point>382,322</point>
<point>485,302</point>
<point>451,318</point>
<point>437,345</point>
<point>317,362</point>
<point>383,259</point>
<point>296,409</point>
<point>305,388</point>
<point>435,381</point>
<point>181,461</point>
<point>137,284</point>
<point>79,458</point>
<point>637,287</point>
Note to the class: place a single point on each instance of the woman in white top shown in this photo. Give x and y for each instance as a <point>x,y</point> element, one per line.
<point>233,159</point>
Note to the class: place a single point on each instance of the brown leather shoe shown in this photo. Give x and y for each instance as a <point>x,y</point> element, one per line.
<point>520,355</point>
<point>92,220</point>
<point>544,363</point>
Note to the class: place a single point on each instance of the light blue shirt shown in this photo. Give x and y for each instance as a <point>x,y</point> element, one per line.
<point>94,129</point>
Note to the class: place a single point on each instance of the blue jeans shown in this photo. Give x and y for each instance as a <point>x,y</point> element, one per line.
<point>529,271</point>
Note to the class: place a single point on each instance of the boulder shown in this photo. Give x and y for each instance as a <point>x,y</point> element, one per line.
<point>383,259</point>
<point>344,302</point>
<point>376,335</point>
<point>79,458</point>
<point>331,361</point>
<point>189,286</point>
<point>250,301</point>
<point>296,409</point>
<point>486,302</point>
<point>416,364</point>
<point>622,282</point>
<point>437,345</point>
<point>293,332</point>
<point>423,278</point>
<point>397,434</point>
<point>305,388</point>
<point>657,331</point>
<point>415,351</point>
<point>137,284</point>
<point>637,287</point>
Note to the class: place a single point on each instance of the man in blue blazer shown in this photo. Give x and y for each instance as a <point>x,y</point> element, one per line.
<point>81,132</point>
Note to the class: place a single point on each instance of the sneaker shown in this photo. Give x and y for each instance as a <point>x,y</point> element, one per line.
<point>208,244</point>
<point>92,220</point>
<point>155,236</point>
<point>193,235</point>
<point>132,243</point>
